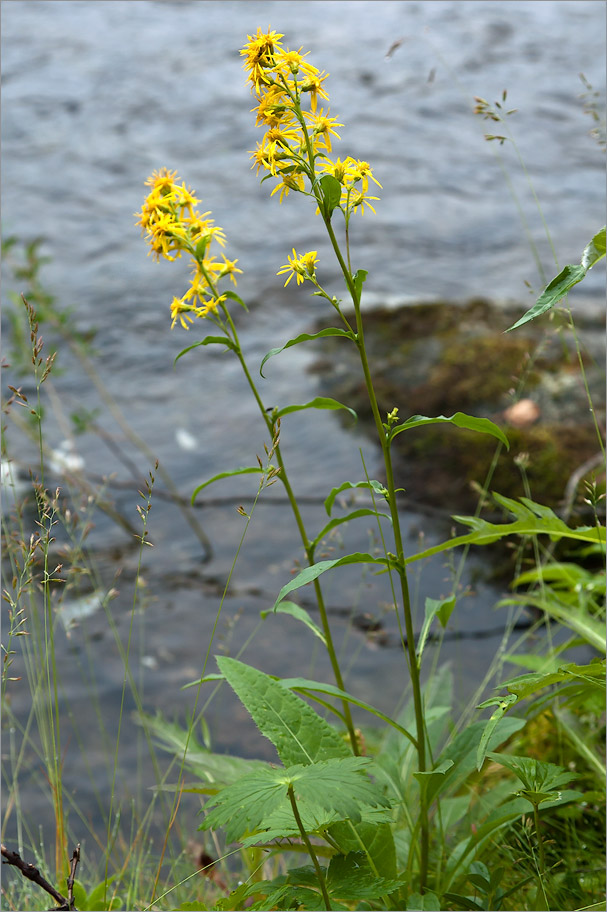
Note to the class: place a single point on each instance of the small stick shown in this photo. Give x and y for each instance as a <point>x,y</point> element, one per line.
<point>32,873</point>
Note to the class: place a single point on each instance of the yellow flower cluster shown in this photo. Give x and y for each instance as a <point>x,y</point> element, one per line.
<point>295,138</point>
<point>172,224</point>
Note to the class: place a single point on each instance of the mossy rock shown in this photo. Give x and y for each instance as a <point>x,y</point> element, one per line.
<point>433,359</point>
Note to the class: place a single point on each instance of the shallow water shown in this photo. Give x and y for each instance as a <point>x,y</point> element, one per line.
<point>98,94</point>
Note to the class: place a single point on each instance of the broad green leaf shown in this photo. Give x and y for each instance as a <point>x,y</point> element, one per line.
<point>304,685</point>
<point>565,280</point>
<point>298,733</point>
<point>440,608</point>
<point>460,420</point>
<point>429,901</point>
<point>331,192</point>
<point>306,337</point>
<point>351,878</point>
<point>375,841</point>
<point>429,776</point>
<point>541,781</point>
<point>356,514</point>
<point>248,470</point>
<point>300,613</point>
<point>309,574</point>
<point>208,340</point>
<point>325,791</point>
<point>372,485</point>
<point>235,297</point>
<point>321,402</point>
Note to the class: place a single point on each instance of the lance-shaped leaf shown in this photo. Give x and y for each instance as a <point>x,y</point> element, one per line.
<point>331,193</point>
<point>321,402</point>
<point>460,420</point>
<point>246,470</point>
<point>440,608</point>
<point>371,485</point>
<point>562,284</point>
<point>208,340</point>
<point>311,573</point>
<point>356,514</point>
<point>298,733</point>
<point>300,614</point>
<point>306,337</point>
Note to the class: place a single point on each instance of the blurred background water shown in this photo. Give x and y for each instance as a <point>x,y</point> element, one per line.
<point>98,94</point>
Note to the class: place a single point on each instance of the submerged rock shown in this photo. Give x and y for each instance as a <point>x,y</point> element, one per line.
<point>441,357</point>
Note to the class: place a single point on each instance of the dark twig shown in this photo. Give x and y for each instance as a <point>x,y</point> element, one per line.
<point>32,873</point>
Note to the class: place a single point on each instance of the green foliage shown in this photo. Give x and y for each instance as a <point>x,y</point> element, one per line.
<point>556,290</point>
<point>541,781</point>
<point>460,420</point>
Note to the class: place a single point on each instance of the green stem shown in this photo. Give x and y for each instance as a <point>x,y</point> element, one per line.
<point>406,600</point>
<point>309,847</point>
<point>308,547</point>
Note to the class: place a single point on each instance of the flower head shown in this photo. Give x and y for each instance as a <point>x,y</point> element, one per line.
<point>304,267</point>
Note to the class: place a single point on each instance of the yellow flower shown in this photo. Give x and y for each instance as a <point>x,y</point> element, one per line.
<point>313,85</point>
<point>323,126</point>
<point>293,61</point>
<point>259,54</point>
<point>180,311</point>
<point>304,267</point>
<point>292,181</point>
<point>361,170</point>
<point>162,179</point>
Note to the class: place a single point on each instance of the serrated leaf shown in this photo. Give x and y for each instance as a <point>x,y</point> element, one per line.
<point>300,614</point>
<point>208,340</point>
<point>309,574</point>
<point>371,485</point>
<point>298,733</point>
<point>333,691</point>
<point>374,841</point>
<point>460,420</point>
<point>247,470</point>
<point>351,878</point>
<point>306,337</point>
<point>541,781</point>
<point>356,514</point>
<point>321,402</point>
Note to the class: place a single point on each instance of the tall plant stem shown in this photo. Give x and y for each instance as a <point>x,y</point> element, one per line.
<point>400,554</point>
<point>308,548</point>
<point>309,847</point>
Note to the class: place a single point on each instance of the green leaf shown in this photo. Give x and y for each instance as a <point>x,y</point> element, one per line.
<point>595,250</point>
<point>311,573</point>
<point>554,292</point>
<point>325,791</point>
<point>534,520</point>
<point>372,485</point>
<point>460,420</point>
<point>298,733</point>
<point>351,878</point>
<point>374,841</point>
<point>440,608</point>
<point>504,705</point>
<point>359,279</point>
<point>321,402</point>
<point>208,340</point>
<point>248,470</point>
<point>298,612</point>
<point>541,781</point>
<point>429,776</point>
<point>304,685</point>
<point>356,514</point>
<point>307,337</point>
<point>331,192</point>
<point>429,901</point>
<point>237,298</point>
<point>576,619</point>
